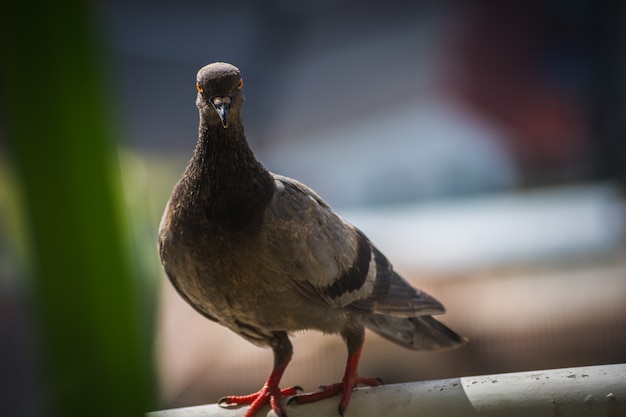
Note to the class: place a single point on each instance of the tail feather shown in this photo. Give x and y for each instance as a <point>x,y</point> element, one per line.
<point>417,333</point>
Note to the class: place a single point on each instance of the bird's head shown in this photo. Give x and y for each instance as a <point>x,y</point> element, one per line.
<point>220,93</point>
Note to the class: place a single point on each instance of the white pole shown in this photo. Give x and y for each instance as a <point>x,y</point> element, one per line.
<point>586,391</point>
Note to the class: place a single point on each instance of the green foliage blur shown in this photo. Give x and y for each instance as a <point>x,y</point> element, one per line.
<point>92,304</point>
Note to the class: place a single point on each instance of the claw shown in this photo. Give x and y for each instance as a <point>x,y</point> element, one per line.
<point>296,392</point>
<point>225,402</point>
<point>267,395</point>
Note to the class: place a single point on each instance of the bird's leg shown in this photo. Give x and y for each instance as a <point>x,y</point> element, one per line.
<point>270,393</point>
<point>354,339</point>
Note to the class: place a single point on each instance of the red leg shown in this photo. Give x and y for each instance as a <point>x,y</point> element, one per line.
<point>350,380</point>
<point>270,394</point>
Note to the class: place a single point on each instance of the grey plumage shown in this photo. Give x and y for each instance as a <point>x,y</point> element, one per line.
<point>265,256</point>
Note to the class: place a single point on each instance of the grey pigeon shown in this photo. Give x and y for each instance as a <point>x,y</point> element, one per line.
<point>265,256</point>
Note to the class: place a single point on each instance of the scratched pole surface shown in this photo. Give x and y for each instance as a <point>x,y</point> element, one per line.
<point>584,391</point>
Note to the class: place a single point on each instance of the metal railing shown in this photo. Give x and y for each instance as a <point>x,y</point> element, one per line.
<point>583,391</point>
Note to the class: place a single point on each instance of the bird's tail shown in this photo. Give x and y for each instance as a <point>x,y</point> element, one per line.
<point>417,333</point>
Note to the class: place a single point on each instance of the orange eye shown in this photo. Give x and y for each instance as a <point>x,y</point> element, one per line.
<point>240,86</point>
<point>200,90</point>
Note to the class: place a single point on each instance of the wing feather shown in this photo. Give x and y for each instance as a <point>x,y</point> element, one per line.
<point>333,262</point>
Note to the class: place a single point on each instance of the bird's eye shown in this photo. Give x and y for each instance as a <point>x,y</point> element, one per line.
<point>240,85</point>
<point>200,90</point>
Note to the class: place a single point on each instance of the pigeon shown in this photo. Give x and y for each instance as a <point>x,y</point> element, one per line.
<point>265,256</point>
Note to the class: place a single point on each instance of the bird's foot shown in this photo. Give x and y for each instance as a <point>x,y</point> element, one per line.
<point>345,387</point>
<point>267,395</point>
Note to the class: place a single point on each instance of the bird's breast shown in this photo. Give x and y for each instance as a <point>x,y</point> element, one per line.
<point>245,290</point>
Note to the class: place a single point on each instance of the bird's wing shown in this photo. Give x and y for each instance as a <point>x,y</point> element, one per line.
<point>331,261</point>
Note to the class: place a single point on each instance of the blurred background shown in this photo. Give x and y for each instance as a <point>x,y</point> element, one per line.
<point>480,146</point>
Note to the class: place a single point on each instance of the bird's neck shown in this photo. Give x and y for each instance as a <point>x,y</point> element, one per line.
<point>224,183</point>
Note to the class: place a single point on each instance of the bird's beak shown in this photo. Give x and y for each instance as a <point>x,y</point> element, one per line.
<point>222,107</point>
